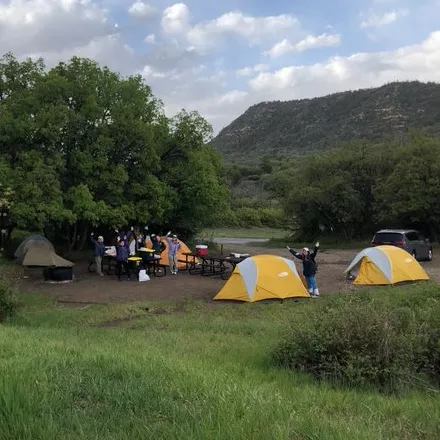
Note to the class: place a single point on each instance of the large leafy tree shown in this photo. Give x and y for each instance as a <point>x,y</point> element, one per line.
<point>193,171</point>
<point>361,187</point>
<point>410,194</point>
<point>85,147</point>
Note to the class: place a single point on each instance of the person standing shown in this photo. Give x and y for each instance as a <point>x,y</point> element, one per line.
<point>174,247</point>
<point>98,252</point>
<point>309,267</point>
<point>122,254</point>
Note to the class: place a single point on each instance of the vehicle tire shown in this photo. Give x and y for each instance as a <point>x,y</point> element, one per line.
<point>430,255</point>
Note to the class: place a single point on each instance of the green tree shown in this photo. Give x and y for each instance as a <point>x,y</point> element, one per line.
<point>82,147</point>
<point>409,195</point>
<point>194,172</point>
<point>38,198</point>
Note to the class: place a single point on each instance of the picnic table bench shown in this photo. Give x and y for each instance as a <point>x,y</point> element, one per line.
<point>210,265</point>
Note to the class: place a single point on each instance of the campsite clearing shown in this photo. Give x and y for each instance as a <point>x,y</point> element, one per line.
<point>89,288</point>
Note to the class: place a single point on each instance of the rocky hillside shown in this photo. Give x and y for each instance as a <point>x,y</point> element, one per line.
<point>293,128</point>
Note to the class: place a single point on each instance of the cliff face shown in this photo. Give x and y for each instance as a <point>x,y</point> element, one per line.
<point>294,128</point>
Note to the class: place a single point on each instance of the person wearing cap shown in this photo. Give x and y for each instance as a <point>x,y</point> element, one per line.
<point>309,267</point>
<point>174,247</point>
<point>98,252</point>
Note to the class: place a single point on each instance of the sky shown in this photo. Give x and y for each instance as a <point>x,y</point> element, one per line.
<point>220,57</point>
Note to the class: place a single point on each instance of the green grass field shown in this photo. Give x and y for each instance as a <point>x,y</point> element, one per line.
<point>196,372</point>
<point>267,233</point>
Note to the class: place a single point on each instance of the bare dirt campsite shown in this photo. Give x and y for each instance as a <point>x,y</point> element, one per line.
<point>88,288</point>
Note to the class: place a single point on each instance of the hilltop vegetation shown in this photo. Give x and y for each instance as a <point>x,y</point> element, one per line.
<point>301,127</point>
<point>346,193</point>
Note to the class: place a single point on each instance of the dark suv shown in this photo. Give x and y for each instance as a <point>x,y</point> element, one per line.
<point>412,241</point>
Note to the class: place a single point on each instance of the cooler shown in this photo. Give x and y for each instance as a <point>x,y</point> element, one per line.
<point>202,250</point>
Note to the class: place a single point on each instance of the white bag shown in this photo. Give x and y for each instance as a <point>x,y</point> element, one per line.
<point>143,276</point>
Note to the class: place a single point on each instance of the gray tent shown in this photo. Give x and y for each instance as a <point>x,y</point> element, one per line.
<point>38,251</point>
<point>42,257</point>
<point>32,242</point>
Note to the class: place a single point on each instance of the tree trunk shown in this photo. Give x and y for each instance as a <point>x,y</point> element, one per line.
<point>69,239</point>
<point>72,238</point>
<point>84,237</point>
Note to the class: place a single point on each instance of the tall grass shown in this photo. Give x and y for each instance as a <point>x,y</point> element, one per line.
<point>196,371</point>
<point>248,233</point>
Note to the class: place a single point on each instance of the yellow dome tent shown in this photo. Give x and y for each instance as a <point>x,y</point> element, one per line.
<point>164,255</point>
<point>385,265</point>
<point>263,277</point>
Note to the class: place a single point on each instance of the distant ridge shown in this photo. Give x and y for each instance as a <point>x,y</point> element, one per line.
<point>300,127</point>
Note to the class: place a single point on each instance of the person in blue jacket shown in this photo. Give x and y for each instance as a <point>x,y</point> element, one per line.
<point>98,252</point>
<point>122,254</point>
<point>309,267</point>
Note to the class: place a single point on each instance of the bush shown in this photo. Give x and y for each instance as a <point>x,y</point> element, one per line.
<point>272,217</point>
<point>380,339</point>
<point>248,217</point>
<point>9,304</point>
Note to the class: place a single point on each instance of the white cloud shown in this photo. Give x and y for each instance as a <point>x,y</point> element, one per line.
<point>374,20</point>
<point>420,61</point>
<point>150,39</point>
<point>310,42</point>
<point>253,29</point>
<point>248,71</point>
<point>183,77</point>
<point>175,19</point>
<point>55,25</point>
<point>337,74</point>
<point>140,9</point>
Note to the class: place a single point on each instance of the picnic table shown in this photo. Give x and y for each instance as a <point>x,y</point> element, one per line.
<point>151,265</point>
<point>210,265</point>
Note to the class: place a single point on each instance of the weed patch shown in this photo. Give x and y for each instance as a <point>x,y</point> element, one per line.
<point>388,339</point>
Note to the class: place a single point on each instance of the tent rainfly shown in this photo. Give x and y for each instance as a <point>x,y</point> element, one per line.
<point>164,256</point>
<point>41,257</point>
<point>30,242</point>
<point>263,277</point>
<point>384,265</point>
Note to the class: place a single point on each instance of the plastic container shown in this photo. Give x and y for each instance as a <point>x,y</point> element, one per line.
<point>202,250</point>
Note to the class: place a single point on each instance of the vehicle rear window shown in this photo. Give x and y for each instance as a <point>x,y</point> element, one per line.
<point>388,237</point>
<point>412,236</point>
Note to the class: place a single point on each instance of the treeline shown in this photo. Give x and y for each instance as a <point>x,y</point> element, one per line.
<point>83,148</point>
<point>351,192</point>
<point>251,204</point>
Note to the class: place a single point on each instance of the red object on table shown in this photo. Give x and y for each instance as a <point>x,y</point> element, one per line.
<point>202,252</point>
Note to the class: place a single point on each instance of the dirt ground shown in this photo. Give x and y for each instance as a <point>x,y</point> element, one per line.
<point>88,288</point>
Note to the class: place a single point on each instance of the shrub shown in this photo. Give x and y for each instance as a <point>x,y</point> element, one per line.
<point>359,339</point>
<point>226,218</point>
<point>9,304</point>
<point>248,217</point>
<point>272,217</point>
